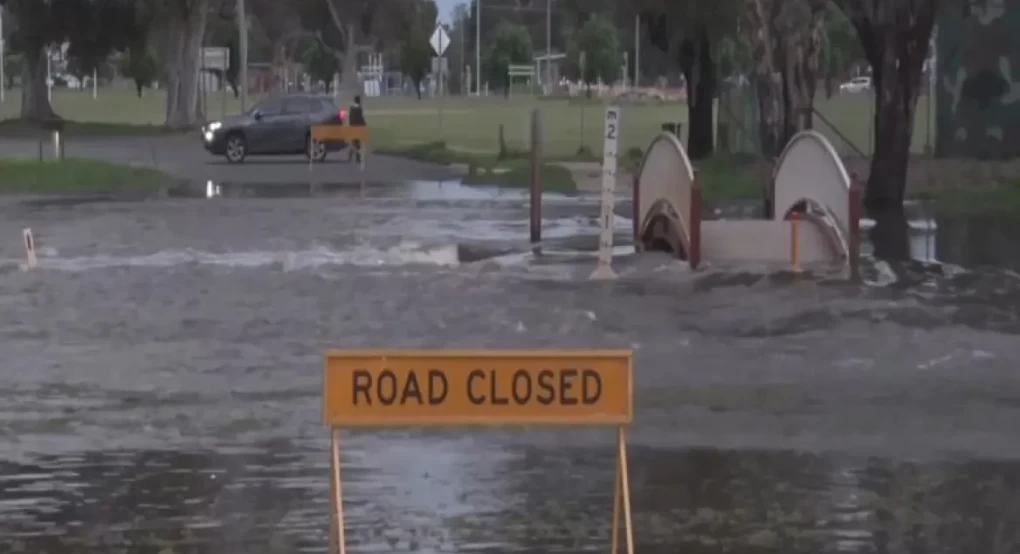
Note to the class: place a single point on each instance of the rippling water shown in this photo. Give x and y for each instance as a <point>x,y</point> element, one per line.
<point>160,385</point>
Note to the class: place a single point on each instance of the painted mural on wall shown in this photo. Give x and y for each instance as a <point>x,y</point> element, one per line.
<point>978,87</point>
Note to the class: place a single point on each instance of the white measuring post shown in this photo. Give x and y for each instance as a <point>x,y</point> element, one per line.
<point>30,257</point>
<point>609,147</point>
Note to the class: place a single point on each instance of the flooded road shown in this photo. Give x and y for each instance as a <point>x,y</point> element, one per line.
<point>162,369</point>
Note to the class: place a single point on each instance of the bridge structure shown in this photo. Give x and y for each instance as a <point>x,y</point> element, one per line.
<point>814,218</point>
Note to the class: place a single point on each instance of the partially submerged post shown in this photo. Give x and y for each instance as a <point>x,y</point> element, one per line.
<point>30,257</point>
<point>854,224</point>
<point>795,242</point>
<point>697,207</point>
<point>536,177</point>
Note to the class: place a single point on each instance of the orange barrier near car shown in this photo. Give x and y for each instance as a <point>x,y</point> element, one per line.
<point>464,388</point>
<point>323,132</point>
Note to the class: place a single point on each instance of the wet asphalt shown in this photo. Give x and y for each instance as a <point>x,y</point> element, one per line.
<point>160,385</point>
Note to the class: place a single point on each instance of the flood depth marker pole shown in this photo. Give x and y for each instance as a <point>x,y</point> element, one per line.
<point>604,271</point>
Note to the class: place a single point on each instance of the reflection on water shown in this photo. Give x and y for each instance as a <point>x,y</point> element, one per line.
<point>967,240</point>
<point>980,240</point>
<point>275,499</point>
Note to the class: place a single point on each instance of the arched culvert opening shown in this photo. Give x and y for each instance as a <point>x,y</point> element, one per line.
<point>662,235</point>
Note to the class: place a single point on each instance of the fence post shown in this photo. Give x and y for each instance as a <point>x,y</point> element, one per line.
<point>636,211</point>
<point>536,176</point>
<point>694,256</point>
<point>854,240</point>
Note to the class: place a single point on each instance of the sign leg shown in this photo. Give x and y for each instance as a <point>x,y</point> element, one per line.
<point>617,485</point>
<point>337,526</point>
<point>621,447</point>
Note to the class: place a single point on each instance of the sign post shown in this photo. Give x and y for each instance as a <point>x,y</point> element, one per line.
<point>440,42</point>
<point>611,140</point>
<point>3,78</point>
<point>402,388</point>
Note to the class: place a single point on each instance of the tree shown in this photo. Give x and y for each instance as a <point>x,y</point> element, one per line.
<point>13,66</point>
<point>894,35</point>
<point>599,44</point>
<point>510,46</point>
<point>320,63</point>
<point>689,33</point>
<point>234,65</point>
<point>842,56</point>
<point>139,66</point>
<point>94,28</point>
<point>416,57</point>
<point>185,21</point>
<point>786,40</point>
<point>347,26</point>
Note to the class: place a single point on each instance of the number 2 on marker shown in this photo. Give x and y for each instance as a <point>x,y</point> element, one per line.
<point>611,133</point>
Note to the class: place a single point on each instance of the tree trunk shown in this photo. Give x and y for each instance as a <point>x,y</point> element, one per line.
<point>349,84</point>
<point>699,72</point>
<point>896,82</point>
<point>187,22</point>
<point>417,87</point>
<point>895,42</point>
<point>35,102</point>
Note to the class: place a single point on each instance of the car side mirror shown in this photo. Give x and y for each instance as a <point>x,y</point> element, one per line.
<point>257,116</point>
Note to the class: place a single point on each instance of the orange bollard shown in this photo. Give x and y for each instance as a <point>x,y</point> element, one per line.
<point>795,242</point>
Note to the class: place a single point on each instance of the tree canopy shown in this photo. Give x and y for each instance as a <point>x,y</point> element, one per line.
<point>599,46</point>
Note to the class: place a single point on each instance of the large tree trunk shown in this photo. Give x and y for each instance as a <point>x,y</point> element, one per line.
<point>700,73</point>
<point>895,38</point>
<point>35,102</point>
<point>187,21</point>
<point>897,84</point>
<point>349,84</point>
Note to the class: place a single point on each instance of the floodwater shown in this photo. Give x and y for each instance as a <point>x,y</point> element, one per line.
<point>159,390</point>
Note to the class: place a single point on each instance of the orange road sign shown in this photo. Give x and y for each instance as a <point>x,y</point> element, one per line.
<point>479,387</point>
<point>483,387</point>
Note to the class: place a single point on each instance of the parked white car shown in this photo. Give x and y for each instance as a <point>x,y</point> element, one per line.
<point>857,84</point>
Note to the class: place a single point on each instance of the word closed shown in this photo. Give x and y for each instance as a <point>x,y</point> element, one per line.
<point>477,387</point>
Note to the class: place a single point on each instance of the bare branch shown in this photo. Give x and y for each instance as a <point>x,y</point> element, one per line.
<point>337,22</point>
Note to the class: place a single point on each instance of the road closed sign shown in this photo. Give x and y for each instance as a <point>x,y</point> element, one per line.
<point>484,387</point>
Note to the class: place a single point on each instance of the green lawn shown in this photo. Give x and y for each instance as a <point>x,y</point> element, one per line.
<point>72,175</point>
<point>469,125</point>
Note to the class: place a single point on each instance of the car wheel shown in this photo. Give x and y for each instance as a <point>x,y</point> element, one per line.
<point>237,148</point>
<point>315,150</point>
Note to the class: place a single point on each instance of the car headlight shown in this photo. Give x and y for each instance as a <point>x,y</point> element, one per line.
<point>214,126</point>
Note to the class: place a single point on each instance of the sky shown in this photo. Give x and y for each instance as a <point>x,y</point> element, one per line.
<point>446,8</point>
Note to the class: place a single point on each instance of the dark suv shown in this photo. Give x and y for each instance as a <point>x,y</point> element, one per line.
<point>276,126</point>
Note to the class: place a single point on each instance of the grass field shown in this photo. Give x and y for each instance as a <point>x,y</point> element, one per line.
<point>76,176</point>
<point>471,125</point>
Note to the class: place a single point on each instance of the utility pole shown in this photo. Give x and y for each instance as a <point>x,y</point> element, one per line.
<point>637,51</point>
<point>478,47</point>
<point>548,47</point>
<point>3,80</point>
<point>242,44</point>
<point>464,85</point>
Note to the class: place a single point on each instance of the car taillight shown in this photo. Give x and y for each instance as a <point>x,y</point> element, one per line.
<point>341,114</point>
